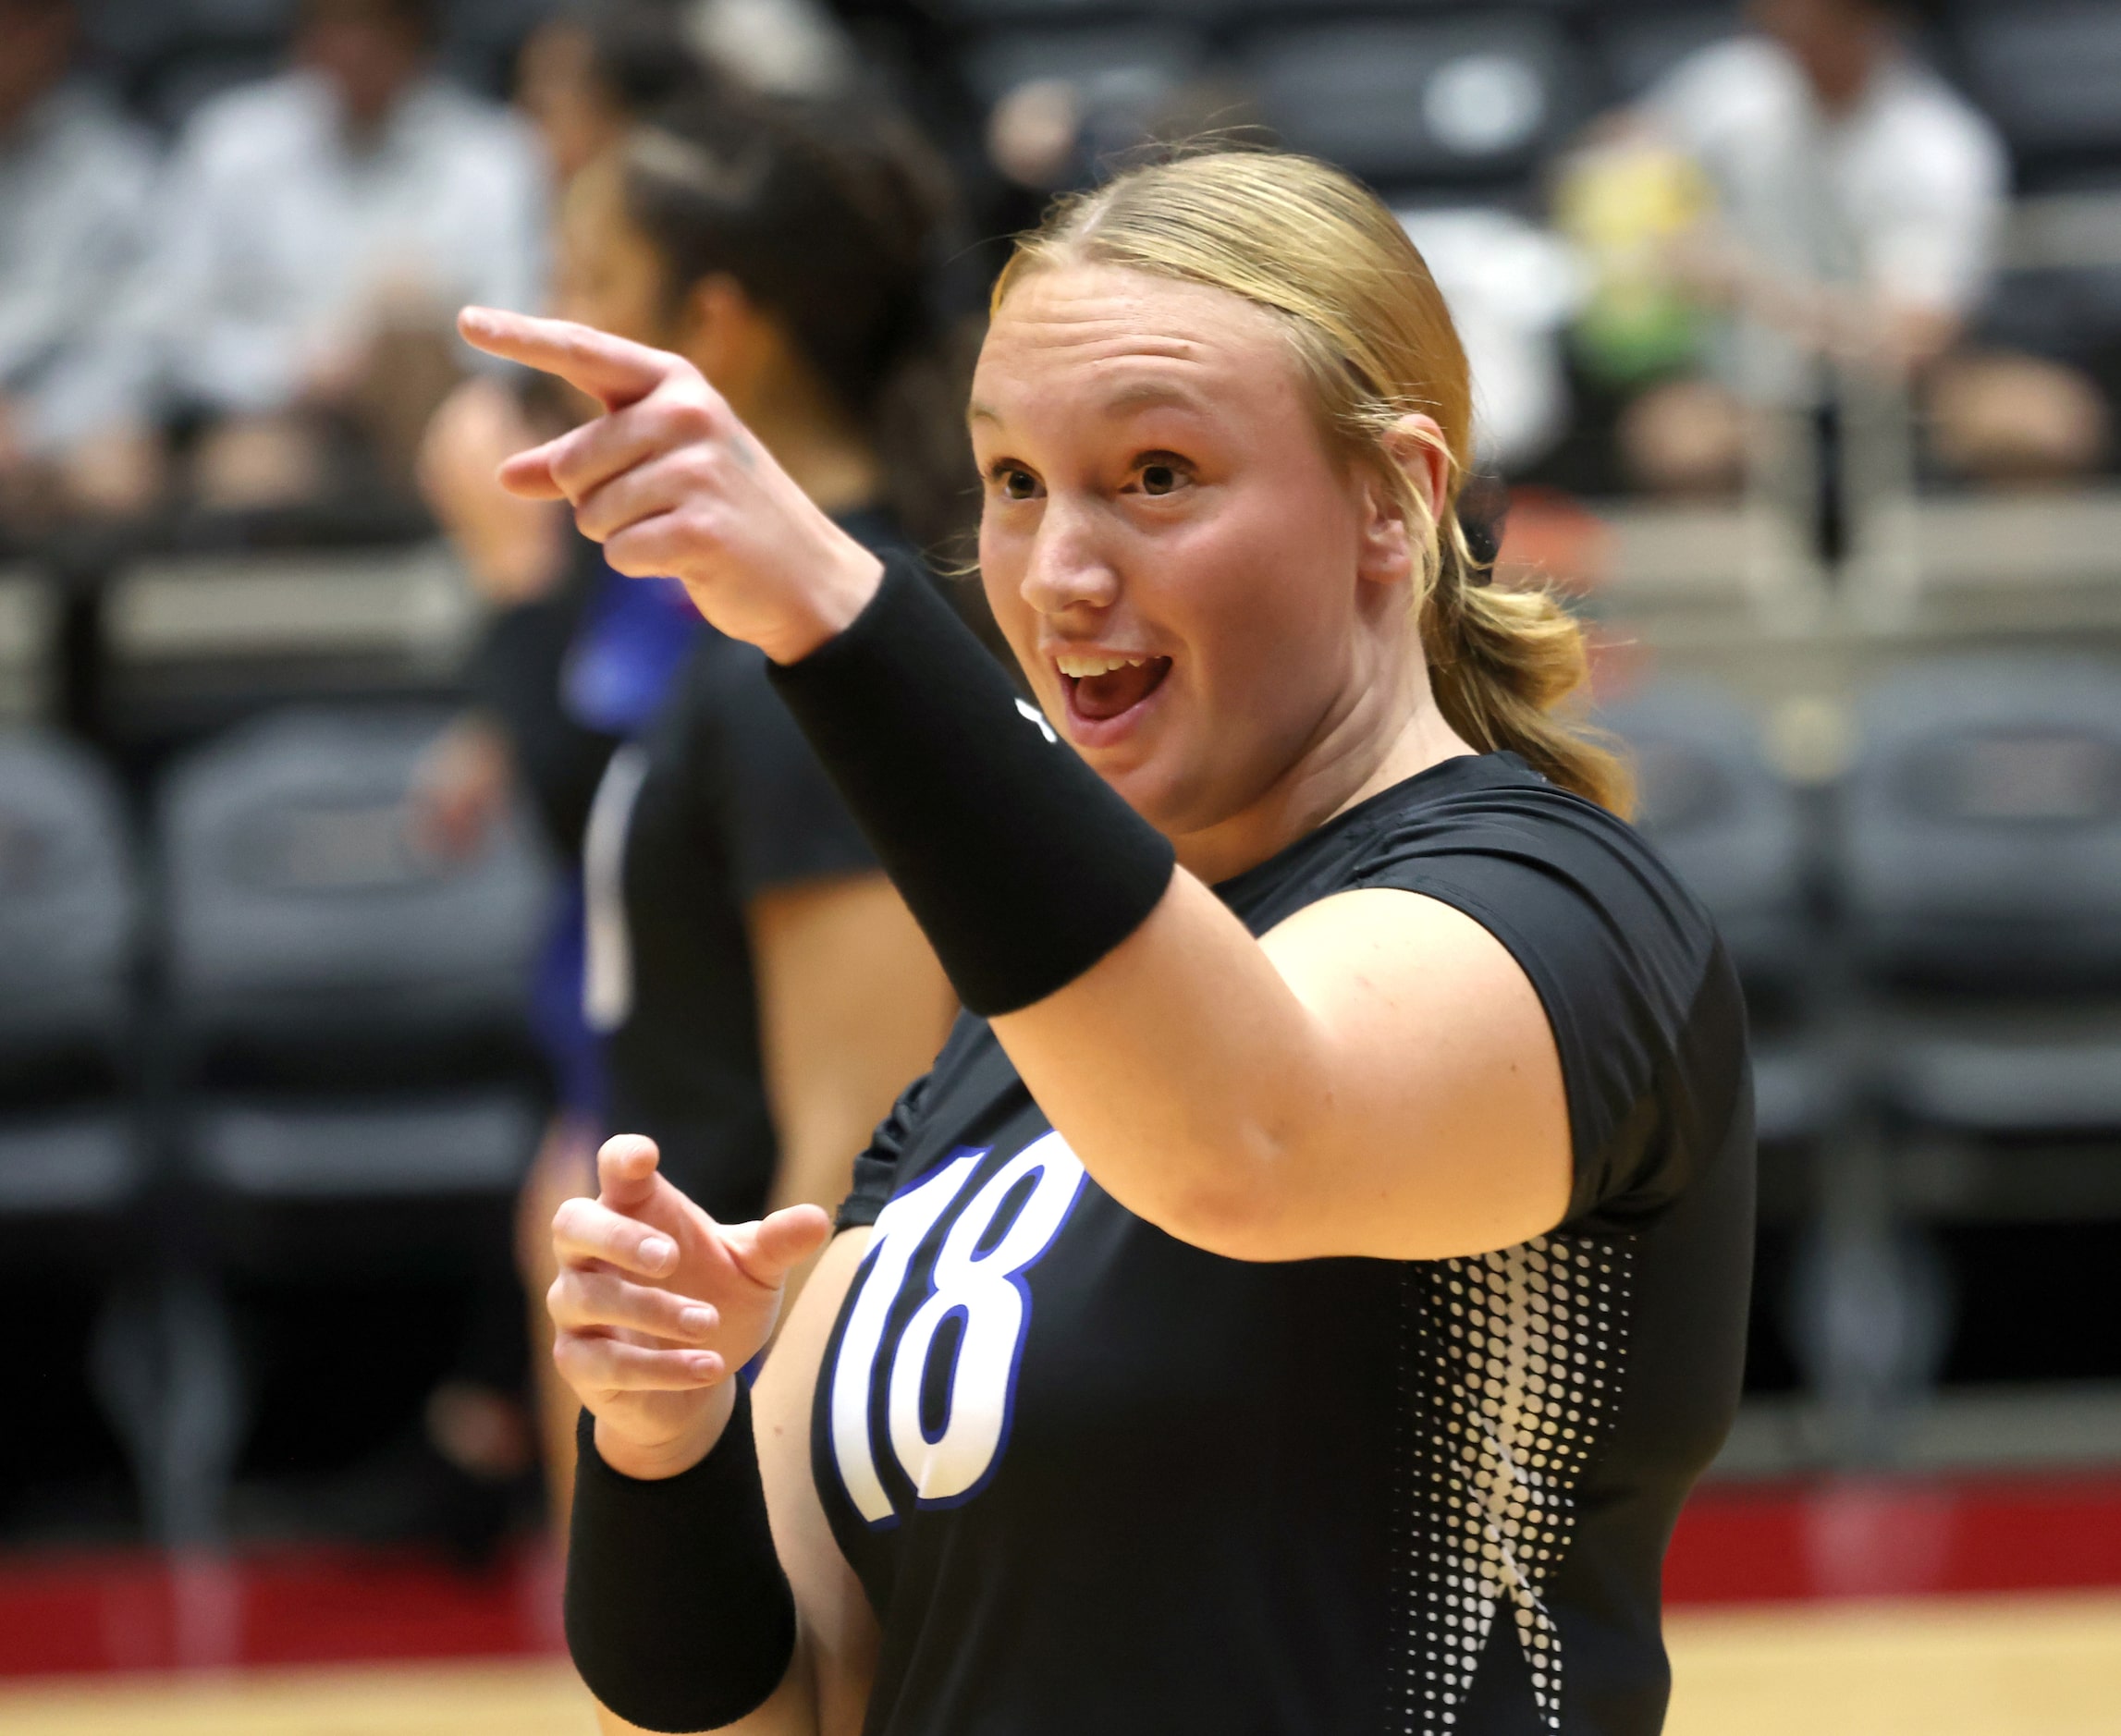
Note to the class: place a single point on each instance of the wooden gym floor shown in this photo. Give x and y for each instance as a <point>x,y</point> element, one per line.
<point>2020,1665</point>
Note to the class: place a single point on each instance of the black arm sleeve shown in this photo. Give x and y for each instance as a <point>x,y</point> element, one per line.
<point>679,1615</point>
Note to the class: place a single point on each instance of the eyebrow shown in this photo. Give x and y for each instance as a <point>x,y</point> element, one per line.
<point>1142,395</point>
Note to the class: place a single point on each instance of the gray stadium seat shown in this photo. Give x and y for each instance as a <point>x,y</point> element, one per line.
<point>1638,45</point>
<point>69,919</point>
<point>69,907</point>
<point>355,1096</point>
<point>1983,892</point>
<point>73,1169</point>
<point>1414,101</point>
<point>1128,63</point>
<point>306,922</point>
<point>1980,868</point>
<point>2049,72</point>
<point>1734,832</point>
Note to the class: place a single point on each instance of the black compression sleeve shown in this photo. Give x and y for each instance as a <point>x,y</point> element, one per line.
<point>1021,865</point>
<point>678,1616</point>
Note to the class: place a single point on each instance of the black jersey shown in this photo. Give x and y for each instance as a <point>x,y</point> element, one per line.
<point>719,800</point>
<point>1096,1479</point>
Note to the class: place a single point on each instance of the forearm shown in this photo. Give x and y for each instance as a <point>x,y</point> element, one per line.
<point>678,1614</point>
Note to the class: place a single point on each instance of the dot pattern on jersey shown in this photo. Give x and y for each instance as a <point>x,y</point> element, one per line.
<point>1513,1373</point>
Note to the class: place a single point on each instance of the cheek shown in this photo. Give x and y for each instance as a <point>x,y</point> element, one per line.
<point>1002,559</point>
<point>1267,590</point>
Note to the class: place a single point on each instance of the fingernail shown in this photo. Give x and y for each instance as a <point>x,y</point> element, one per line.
<point>704,1366</point>
<point>656,1251</point>
<point>696,1320</point>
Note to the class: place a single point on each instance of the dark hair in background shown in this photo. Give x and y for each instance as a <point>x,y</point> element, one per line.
<point>639,52</point>
<point>422,18</point>
<point>830,218</point>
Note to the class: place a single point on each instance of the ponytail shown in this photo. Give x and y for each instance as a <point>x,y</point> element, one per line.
<point>1500,664</point>
<point>830,215</point>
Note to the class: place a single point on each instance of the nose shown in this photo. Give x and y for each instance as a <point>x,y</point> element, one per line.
<point>1069,567</point>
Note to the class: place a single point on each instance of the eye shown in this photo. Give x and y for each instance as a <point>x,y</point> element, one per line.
<point>1014,481</point>
<point>1160,479</point>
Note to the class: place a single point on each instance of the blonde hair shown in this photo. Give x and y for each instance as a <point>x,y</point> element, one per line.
<point>1375,341</point>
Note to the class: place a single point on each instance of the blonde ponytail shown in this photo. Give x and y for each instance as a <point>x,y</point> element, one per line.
<point>1500,663</point>
<point>1311,244</point>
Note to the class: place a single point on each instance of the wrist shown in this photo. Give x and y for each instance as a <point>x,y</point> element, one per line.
<point>844,588</point>
<point>654,1462</point>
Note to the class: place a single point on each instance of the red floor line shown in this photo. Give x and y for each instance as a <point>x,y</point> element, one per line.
<point>1898,1537</point>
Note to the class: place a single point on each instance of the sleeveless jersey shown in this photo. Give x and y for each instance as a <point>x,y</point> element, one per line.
<point>1093,1478</point>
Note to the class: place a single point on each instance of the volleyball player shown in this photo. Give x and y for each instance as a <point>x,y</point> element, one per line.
<point>1303,1289</point>
<point>757,990</point>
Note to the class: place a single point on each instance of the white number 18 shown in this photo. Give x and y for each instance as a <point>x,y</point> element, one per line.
<point>985,1288</point>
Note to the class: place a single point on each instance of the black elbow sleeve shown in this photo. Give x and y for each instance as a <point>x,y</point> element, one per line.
<point>679,1615</point>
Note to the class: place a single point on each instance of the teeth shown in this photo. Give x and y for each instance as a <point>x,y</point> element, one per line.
<point>1083,667</point>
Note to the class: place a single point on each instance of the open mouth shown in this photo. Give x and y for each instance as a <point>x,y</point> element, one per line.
<point>1102,687</point>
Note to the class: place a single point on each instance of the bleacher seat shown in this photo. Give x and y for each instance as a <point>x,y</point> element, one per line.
<point>2049,73</point>
<point>1637,43</point>
<point>1983,892</point>
<point>1456,101</point>
<point>1734,831</point>
<point>1129,61</point>
<point>354,1094</point>
<point>69,919</point>
<point>68,912</point>
<point>311,934</point>
<point>73,1164</point>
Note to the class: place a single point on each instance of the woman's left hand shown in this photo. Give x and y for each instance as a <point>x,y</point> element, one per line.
<point>674,485</point>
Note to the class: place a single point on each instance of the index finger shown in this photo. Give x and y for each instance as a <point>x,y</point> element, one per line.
<point>614,371</point>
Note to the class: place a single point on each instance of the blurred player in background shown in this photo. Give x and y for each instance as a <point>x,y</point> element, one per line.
<point>757,988</point>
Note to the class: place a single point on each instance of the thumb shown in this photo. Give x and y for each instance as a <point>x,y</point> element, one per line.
<point>626,1171</point>
<point>767,1251</point>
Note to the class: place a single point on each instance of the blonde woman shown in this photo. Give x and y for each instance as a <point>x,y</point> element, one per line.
<point>1304,1290</point>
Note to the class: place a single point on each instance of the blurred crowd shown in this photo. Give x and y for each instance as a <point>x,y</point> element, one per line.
<point>233,238</point>
<point>225,285</point>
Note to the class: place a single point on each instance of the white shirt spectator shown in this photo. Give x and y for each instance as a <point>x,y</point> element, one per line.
<point>76,182</point>
<point>1512,288</point>
<point>281,235</point>
<point>1903,194</point>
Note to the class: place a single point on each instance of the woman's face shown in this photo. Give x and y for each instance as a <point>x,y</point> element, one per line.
<point>1206,601</point>
<point>607,274</point>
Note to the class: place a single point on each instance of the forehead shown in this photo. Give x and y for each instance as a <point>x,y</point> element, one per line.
<point>1103,339</point>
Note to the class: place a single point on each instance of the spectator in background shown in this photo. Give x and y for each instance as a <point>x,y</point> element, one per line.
<point>319,228</point>
<point>1855,203</point>
<point>75,185</point>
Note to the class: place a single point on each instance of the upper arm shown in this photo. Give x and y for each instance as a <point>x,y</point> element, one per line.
<point>838,1630</point>
<point>1448,1130</point>
<point>852,1004</point>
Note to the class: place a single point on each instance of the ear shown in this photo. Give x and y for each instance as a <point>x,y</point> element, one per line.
<point>1415,445</point>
